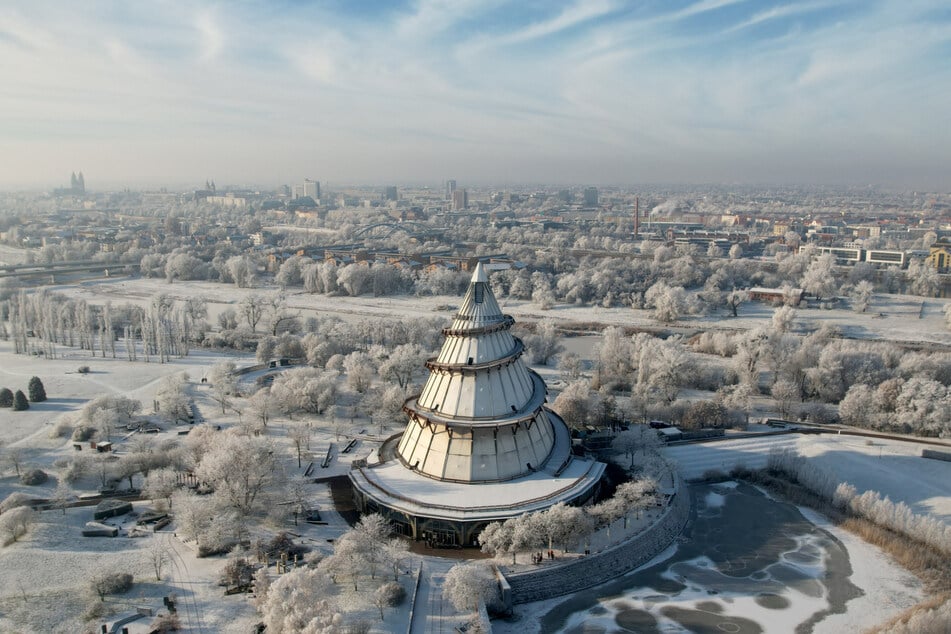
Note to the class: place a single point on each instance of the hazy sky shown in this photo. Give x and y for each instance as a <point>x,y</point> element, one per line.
<point>593,91</point>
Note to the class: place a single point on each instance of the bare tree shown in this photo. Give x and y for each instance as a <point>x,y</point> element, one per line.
<point>15,457</point>
<point>158,555</point>
<point>224,383</point>
<point>734,298</point>
<point>253,307</point>
<point>300,435</point>
<point>636,438</point>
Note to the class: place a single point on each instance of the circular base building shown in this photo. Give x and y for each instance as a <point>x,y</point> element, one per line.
<point>480,445</point>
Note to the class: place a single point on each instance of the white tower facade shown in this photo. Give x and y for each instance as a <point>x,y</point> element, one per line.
<point>480,445</point>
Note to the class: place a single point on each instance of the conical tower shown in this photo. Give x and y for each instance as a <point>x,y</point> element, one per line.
<point>480,445</point>
<point>481,415</point>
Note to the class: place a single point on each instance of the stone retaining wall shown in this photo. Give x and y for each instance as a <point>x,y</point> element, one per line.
<point>591,570</point>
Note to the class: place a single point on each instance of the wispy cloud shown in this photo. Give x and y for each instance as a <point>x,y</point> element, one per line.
<point>566,91</point>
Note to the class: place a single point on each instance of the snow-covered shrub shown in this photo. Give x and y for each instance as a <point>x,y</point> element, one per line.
<point>15,523</point>
<point>33,477</point>
<point>15,500</point>
<point>238,571</point>
<point>73,469</point>
<point>62,428</point>
<point>391,594</point>
<point>83,433</point>
<point>106,583</point>
<point>166,623</point>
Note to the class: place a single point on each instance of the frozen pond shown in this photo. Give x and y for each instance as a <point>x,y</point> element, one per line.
<point>747,564</point>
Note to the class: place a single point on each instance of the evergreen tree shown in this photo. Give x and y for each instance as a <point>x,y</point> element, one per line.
<point>19,402</point>
<point>37,391</point>
<point>6,397</point>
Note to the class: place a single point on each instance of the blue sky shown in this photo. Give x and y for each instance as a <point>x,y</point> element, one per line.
<point>172,92</point>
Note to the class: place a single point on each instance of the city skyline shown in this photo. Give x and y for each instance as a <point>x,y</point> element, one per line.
<point>601,92</point>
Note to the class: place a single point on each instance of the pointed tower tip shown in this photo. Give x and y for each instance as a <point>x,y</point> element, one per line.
<point>479,275</point>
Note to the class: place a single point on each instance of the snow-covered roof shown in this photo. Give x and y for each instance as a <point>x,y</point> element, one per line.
<point>397,487</point>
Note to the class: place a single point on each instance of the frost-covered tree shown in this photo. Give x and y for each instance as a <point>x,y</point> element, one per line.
<point>704,414</point>
<point>752,350</point>
<point>574,403</point>
<point>818,278</point>
<point>403,364</point>
<point>570,366</point>
<point>262,406</point>
<point>634,439</point>
<point>498,538</point>
<point>15,523</point>
<point>305,389</point>
<point>224,383</point>
<point>862,296</point>
<point>300,435</point>
<point>563,525</point>
<point>783,318</point>
<point>242,271</point>
<point>160,485</point>
<point>663,366</point>
<point>466,585</point>
<point>735,298</point>
<point>543,344</point>
<point>63,496</point>
<point>614,354</point>
<point>240,469</point>
<point>738,397</point>
<point>668,302</point>
<point>172,399</point>
<point>922,278</point>
<point>785,392</point>
<point>360,370</point>
<point>300,601</point>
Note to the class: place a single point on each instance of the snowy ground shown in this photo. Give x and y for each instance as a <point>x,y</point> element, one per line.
<point>892,468</point>
<point>41,577</point>
<point>890,317</point>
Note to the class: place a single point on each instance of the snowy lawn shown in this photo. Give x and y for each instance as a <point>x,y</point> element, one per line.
<point>893,468</point>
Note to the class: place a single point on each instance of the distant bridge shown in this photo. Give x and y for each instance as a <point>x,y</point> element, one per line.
<point>51,270</point>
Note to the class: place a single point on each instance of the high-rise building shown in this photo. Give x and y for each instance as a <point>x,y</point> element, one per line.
<point>460,199</point>
<point>450,189</point>
<point>591,197</point>
<point>390,193</point>
<point>480,445</point>
<point>311,188</point>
